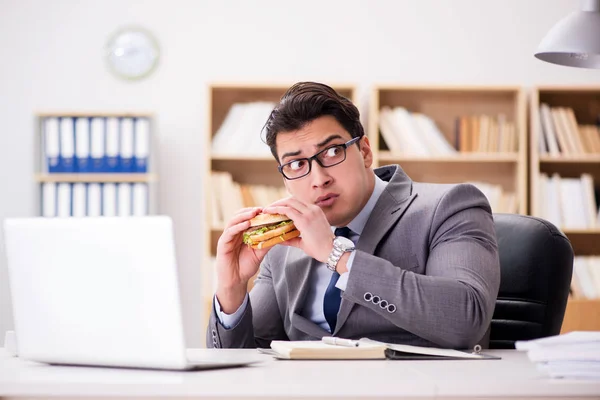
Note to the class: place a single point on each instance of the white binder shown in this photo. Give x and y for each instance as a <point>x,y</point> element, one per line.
<point>109,200</point>
<point>97,137</point>
<point>124,199</point>
<point>67,145</point>
<point>49,199</point>
<point>111,155</point>
<point>64,200</point>
<point>79,200</point>
<point>82,145</point>
<point>140,199</point>
<point>142,145</point>
<point>52,145</point>
<point>127,138</point>
<point>94,200</point>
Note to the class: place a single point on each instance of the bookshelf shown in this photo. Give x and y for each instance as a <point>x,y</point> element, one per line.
<point>575,156</point>
<point>448,107</point>
<point>245,167</point>
<point>142,181</point>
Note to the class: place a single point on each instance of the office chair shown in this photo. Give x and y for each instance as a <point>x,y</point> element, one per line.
<point>536,263</point>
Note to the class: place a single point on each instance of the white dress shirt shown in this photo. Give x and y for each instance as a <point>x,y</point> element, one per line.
<point>320,277</point>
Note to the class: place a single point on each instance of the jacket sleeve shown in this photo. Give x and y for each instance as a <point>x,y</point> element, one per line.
<point>452,303</point>
<point>260,323</point>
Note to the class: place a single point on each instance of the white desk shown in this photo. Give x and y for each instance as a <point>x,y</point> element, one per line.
<point>512,377</point>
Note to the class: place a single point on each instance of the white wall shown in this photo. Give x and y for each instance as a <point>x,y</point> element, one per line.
<point>51,59</point>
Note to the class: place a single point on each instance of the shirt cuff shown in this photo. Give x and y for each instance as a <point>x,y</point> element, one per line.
<point>343,279</point>
<point>229,320</point>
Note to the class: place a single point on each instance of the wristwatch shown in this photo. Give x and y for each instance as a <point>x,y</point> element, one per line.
<point>341,245</point>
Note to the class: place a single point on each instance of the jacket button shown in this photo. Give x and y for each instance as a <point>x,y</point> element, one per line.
<point>214,333</point>
<point>383,304</point>
<point>391,308</point>
<point>368,296</point>
<point>376,299</point>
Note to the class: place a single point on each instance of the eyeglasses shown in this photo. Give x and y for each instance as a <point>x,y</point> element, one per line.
<point>326,158</point>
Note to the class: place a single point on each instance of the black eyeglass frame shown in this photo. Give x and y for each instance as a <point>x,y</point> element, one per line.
<point>309,160</point>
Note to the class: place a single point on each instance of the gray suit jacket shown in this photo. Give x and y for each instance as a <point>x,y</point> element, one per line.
<point>428,249</point>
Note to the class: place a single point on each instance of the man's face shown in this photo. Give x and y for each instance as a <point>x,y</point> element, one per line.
<point>341,190</point>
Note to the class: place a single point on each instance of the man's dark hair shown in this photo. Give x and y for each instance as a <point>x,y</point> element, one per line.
<point>305,102</point>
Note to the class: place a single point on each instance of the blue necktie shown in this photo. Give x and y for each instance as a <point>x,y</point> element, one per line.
<point>333,295</point>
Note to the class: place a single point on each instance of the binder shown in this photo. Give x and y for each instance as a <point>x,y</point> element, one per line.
<point>94,200</point>
<point>124,202</point>
<point>67,145</point>
<point>82,145</point>
<point>52,145</point>
<point>111,151</point>
<point>109,200</point>
<point>140,199</point>
<point>97,139</point>
<point>126,150</point>
<point>63,200</point>
<point>79,200</point>
<point>142,145</point>
<point>49,199</point>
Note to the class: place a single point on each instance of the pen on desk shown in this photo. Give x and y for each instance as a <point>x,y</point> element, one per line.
<point>339,342</point>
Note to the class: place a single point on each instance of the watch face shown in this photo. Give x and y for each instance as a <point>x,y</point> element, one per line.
<point>344,243</point>
<point>132,53</point>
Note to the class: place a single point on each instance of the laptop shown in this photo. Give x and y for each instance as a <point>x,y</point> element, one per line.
<point>101,292</point>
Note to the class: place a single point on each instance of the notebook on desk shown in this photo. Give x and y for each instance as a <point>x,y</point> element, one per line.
<point>367,349</point>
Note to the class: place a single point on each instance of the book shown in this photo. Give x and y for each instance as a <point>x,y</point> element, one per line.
<point>319,350</point>
<point>366,349</point>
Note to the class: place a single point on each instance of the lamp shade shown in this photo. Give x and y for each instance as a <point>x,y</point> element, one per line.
<point>575,40</point>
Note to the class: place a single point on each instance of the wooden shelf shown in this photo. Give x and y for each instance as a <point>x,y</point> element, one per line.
<point>45,183</point>
<point>581,315</point>
<point>133,114</point>
<point>112,178</point>
<point>244,169</point>
<point>586,159</point>
<point>386,156</point>
<point>585,103</point>
<point>444,104</point>
<point>594,231</point>
<point>585,242</point>
<point>253,171</point>
<point>223,95</point>
<point>242,158</point>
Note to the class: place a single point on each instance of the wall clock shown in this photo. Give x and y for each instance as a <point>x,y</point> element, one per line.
<point>132,53</point>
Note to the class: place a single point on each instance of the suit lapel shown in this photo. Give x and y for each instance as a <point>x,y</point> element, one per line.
<point>390,207</point>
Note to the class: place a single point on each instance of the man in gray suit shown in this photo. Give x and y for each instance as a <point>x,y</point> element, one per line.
<point>379,256</point>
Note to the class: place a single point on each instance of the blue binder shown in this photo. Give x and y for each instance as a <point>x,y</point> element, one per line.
<point>126,146</point>
<point>51,140</point>
<point>112,162</point>
<point>97,144</point>
<point>67,145</point>
<point>142,145</point>
<point>83,160</point>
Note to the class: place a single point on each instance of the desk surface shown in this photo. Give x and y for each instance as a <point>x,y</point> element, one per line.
<point>513,376</point>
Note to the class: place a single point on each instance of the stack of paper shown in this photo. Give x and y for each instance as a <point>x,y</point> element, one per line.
<point>572,355</point>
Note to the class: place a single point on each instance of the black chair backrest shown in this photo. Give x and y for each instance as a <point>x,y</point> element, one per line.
<point>536,262</point>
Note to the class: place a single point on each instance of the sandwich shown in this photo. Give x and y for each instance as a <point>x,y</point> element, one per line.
<point>267,230</point>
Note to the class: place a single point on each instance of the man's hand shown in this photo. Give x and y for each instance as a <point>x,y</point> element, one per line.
<point>316,238</point>
<point>236,262</point>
